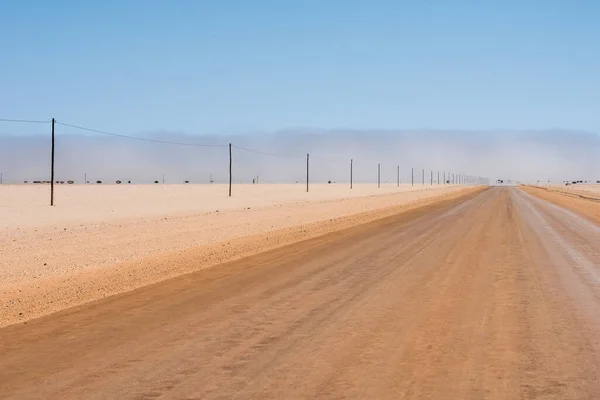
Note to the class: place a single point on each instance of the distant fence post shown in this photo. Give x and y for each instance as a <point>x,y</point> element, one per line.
<point>398,176</point>
<point>431,181</point>
<point>307,170</point>
<point>438,178</point>
<point>423,177</point>
<point>52,168</point>
<point>412,176</point>
<point>378,175</point>
<point>230,169</point>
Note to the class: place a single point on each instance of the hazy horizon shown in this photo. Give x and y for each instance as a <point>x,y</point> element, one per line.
<point>554,155</point>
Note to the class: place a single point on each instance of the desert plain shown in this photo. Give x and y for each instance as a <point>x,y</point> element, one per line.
<point>180,292</point>
<point>101,240</point>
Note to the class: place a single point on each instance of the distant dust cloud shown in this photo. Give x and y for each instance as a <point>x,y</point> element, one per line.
<point>519,156</point>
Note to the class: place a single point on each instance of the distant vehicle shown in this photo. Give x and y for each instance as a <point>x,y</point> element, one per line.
<point>155,181</point>
<point>118,182</point>
<point>70,182</point>
<point>98,182</point>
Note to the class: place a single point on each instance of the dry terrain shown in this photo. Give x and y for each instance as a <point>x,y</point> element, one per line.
<point>583,202</point>
<point>485,294</point>
<point>587,189</point>
<point>101,240</point>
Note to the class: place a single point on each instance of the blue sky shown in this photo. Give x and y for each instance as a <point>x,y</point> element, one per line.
<point>237,66</point>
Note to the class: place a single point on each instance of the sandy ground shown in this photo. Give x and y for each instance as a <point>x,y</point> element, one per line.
<point>24,206</point>
<point>583,203</point>
<point>492,295</point>
<point>592,191</point>
<point>105,239</point>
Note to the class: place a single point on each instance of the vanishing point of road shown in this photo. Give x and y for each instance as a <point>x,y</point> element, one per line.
<point>494,295</point>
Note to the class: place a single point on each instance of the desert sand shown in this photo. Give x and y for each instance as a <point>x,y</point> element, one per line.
<point>591,190</point>
<point>491,294</point>
<point>101,240</point>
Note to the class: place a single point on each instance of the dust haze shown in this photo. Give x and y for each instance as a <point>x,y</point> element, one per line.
<point>554,155</point>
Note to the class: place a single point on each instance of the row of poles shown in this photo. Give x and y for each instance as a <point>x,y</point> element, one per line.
<point>452,178</point>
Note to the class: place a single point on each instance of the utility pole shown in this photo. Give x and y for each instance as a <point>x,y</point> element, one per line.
<point>351,162</point>
<point>230,169</point>
<point>412,176</point>
<point>398,176</point>
<point>431,178</point>
<point>378,175</point>
<point>307,166</point>
<point>438,178</point>
<point>52,168</point>
<point>423,178</point>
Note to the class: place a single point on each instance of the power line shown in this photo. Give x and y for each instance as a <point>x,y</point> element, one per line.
<point>25,121</point>
<point>140,138</point>
<point>268,153</point>
<point>327,159</point>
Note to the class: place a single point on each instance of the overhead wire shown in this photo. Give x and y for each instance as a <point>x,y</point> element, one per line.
<point>25,121</point>
<point>327,159</point>
<point>268,153</point>
<point>140,138</point>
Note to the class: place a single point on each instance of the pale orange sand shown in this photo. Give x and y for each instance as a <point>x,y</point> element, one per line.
<point>103,240</point>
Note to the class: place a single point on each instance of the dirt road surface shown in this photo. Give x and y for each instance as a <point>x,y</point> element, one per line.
<point>493,296</point>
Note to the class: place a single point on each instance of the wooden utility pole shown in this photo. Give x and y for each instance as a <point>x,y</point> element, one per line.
<point>378,175</point>
<point>431,182</point>
<point>412,176</point>
<point>230,169</point>
<point>351,161</point>
<point>307,169</point>
<point>398,176</point>
<point>52,168</point>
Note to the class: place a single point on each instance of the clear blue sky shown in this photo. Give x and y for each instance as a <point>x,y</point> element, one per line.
<point>229,66</point>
